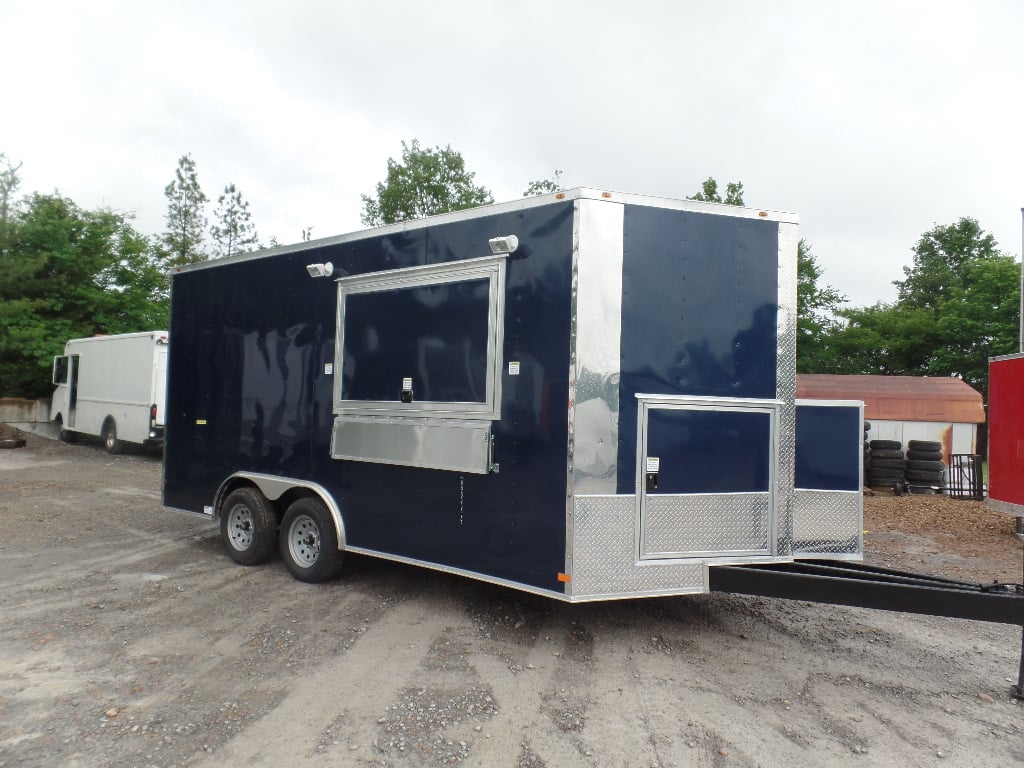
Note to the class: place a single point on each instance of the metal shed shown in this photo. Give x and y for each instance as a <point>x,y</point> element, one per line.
<point>905,408</point>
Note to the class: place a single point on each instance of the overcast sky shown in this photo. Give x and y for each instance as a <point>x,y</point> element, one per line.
<point>872,121</point>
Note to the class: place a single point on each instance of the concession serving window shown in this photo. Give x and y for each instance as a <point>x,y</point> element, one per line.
<point>418,364</point>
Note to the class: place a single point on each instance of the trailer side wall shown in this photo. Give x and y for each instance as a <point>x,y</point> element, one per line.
<point>1006,435</point>
<point>249,391</point>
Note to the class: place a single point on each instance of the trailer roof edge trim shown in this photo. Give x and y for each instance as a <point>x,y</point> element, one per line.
<point>580,193</point>
<point>1014,356</point>
<point>134,335</point>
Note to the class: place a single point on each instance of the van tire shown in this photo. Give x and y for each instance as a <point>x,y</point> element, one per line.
<point>110,440</point>
<point>248,526</point>
<point>64,435</point>
<point>309,541</point>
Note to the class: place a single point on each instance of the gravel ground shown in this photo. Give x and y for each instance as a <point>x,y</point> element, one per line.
<point>127,638</point>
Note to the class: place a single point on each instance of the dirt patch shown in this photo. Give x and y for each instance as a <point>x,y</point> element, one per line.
<point>128,638</point>
<point>948,537</point>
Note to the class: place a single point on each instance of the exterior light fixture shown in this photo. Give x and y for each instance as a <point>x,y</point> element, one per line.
<point>503,244</point>
<point>320,270</point>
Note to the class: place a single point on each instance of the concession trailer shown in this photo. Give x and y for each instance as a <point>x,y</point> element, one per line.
<point>586,395</point>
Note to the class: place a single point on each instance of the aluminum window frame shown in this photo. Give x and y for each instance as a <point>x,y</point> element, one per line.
<point>492,268</point>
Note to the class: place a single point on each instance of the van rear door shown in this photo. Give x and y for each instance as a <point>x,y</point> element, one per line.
<point>160,380</point>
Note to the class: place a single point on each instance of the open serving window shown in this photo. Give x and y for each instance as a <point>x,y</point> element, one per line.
<point>418,365</point>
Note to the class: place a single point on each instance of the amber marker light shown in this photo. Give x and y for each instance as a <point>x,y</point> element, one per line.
<point>762,214</point>
<point>564,577</point>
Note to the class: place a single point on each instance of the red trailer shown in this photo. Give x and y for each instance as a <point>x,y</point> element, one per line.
<point>1006,435</point>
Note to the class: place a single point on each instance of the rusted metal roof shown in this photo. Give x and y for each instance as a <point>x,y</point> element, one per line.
<point>899,398</point>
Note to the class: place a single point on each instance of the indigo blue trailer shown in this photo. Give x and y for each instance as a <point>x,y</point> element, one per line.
<point>585,395</point>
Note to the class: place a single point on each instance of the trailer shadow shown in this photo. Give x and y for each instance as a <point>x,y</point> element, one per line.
<point>509,615</point>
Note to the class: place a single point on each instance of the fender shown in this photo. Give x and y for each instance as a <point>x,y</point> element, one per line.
<point>274,487</point>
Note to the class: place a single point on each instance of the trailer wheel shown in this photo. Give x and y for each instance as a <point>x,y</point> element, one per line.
<point>309,542</point>
<point>64,435</point>
<point>248,526</point>
<point>110,440</point>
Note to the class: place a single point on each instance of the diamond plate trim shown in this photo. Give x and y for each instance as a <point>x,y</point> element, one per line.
<point>789,238</point>
<point>676,525</point>
<point>605,564</point>
<point>828,523</point>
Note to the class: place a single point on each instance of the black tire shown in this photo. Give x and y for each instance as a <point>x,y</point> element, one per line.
<point>886,453</point>
<point>886,445</point>
<point>928,478</point>
<point>113,444</point>
<point>887,463</point>
<point>885,474</point>
<point>12,442</point>
<point>64,435</point>
<point>309,541</point>
<point>926,466</point>
<point>924,455</point>
<point>924,445</point>
<point>248,526</point>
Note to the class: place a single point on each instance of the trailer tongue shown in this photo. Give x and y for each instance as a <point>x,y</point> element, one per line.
<point>866,586</point>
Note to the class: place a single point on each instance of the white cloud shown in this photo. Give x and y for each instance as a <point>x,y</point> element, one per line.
<point>873,121</point>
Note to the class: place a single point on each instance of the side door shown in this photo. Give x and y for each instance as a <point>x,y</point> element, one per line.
<point>706,478</point>
<point>73,364</point>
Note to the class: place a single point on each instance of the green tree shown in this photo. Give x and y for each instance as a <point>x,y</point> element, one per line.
<point>70,273</point>
<point>543,186</point>
<point>971,293</point>
<point>426,182</point>
<point>941,263</point>
<point>958,305</point>
<point>883,339</point>
<point>233,231</point>
<point>709,192</point>
<point>817,314</point>
<point>9,183</point>
<point>979,319</point>
<point>186,220</point>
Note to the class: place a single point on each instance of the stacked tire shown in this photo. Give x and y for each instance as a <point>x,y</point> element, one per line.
<point>886,464</point>
<point>925,470</point>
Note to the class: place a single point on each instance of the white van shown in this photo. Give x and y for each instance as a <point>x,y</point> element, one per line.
<point>113,387</point>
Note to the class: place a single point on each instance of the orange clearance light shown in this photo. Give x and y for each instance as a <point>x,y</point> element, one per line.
<point>564,577</point>
<point>560,196</point>
<point>762,214</point>
<point>606,194</point>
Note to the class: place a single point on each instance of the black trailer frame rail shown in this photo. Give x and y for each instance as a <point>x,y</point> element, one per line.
<point>866,586</point>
